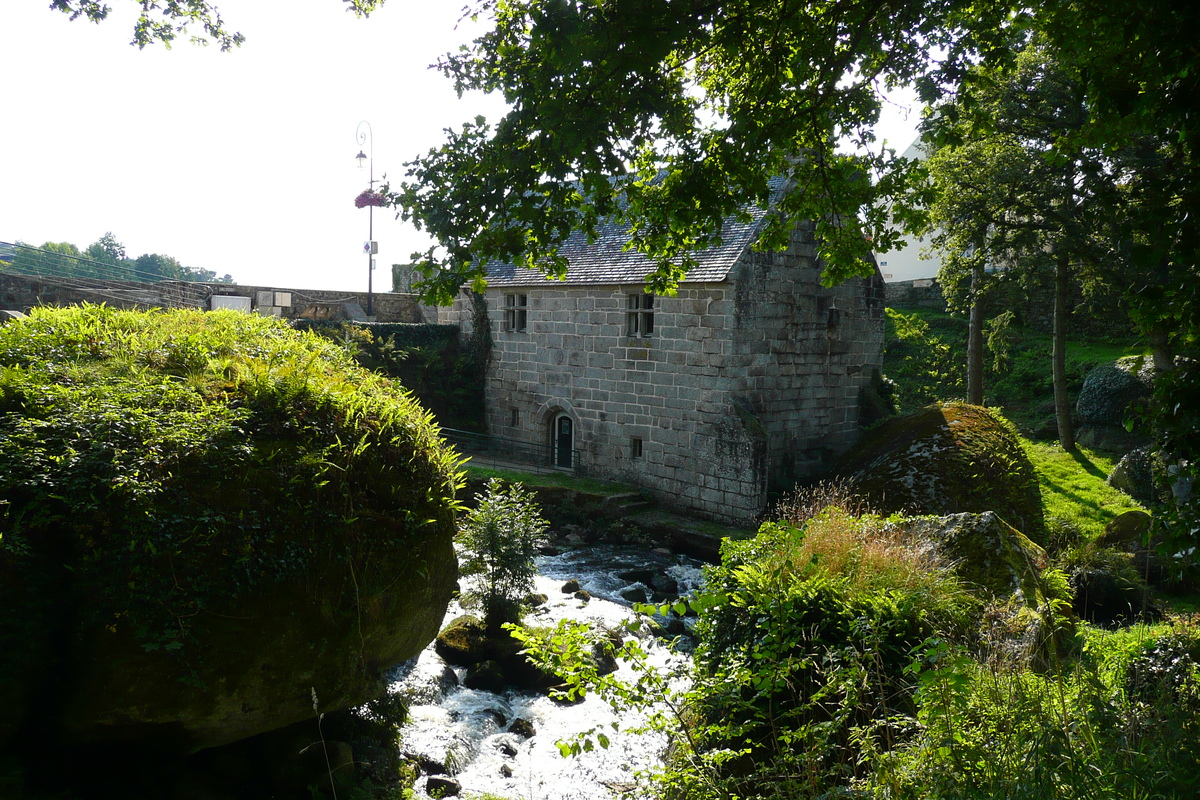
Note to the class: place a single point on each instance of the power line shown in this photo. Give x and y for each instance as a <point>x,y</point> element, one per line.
<point>47,263</point>
<point>53,269</point>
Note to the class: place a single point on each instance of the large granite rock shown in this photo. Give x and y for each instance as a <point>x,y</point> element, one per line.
<point>209,524</point>
<point>1134,475</point>
<point>1109,389</point>
<point>1105,399</point>
<point>947,459</point>
<point>989,554</point>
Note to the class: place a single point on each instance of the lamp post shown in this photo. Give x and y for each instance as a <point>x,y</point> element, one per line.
<point>367,137</point>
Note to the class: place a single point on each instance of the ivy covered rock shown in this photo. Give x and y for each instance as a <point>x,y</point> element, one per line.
<point>209,524</point>
<point>947,459</point>
<point>1109,389</point>
<point>1134,475</point>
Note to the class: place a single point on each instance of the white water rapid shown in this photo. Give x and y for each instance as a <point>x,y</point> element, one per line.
<point>465,731</point>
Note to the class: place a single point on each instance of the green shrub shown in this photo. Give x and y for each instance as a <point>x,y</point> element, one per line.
<point>1123,722</point>
<point>804,638</point>
<point>445,373</point>
<point>501,537</point>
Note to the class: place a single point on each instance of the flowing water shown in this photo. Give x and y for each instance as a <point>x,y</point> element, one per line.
<point>465,731</point>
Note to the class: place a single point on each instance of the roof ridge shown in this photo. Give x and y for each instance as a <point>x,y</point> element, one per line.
<point>607,261</point>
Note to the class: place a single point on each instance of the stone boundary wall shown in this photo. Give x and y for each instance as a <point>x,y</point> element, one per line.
<point>923,294</point>
<point>22,292</point>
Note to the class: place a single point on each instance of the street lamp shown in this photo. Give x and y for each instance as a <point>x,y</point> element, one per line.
<point>367,137</point>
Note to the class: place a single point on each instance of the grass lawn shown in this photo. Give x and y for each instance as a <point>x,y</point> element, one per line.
<point>1073,487</point>
<point>559,479</point>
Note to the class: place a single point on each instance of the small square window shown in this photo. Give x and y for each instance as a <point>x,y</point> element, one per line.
<point>635,447</point>
<point>640,316</point>
<point>516,311</point>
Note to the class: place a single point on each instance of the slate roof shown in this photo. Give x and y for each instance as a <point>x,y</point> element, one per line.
<point>607,262</point>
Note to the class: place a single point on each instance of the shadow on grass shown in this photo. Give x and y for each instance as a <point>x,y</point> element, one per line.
<point>1086,464</point>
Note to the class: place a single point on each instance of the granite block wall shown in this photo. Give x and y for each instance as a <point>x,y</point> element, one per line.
<point>743,385</point>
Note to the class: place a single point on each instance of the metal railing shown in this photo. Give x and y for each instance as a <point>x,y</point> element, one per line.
<point>501,451</point>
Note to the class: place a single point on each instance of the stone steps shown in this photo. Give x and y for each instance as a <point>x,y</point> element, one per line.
<point>625,504</point>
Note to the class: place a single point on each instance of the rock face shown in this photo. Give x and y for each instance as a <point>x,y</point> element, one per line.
<point>946,459</point>
<point>208,524</point>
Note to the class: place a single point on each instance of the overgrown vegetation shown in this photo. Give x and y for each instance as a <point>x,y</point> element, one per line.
<point>840,658</point>
<point>947,458</point>
<point>445,373</point>
<point>190,496</point>
<point>193,434</point>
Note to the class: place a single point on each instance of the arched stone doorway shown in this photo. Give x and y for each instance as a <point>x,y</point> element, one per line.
<point>562,440</point>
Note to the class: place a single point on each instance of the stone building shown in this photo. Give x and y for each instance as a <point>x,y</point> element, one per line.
<point>749,378</point>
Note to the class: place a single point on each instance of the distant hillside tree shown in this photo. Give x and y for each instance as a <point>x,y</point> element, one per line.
<point>104,259</point>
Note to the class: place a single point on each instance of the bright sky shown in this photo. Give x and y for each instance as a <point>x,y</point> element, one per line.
<point>239,162</point>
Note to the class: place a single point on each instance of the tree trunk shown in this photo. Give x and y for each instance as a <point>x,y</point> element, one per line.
<point>1062,405</point>
<point>975,338</point>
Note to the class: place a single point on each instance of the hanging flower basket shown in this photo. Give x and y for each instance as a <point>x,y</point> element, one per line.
<point>368,198</point>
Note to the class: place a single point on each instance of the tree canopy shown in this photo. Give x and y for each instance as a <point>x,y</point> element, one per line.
<point>165,20</point>
<point>672,116</point>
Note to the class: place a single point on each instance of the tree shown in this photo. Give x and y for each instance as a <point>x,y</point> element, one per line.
<point>164,23</point>
<point>59,259</point>
<point>670,117</point>
<point>501,537</point>
<point>1007,200</point>
<point>152,266</point>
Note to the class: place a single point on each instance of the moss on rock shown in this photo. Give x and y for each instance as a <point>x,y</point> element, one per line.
<point>990,555</point>
<point>464,642</point>
<point>947,459</point>
<point>208,517</point>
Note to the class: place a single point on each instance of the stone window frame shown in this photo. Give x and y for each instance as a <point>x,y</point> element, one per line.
<point>635,448</point>
<point>639,315</point>
<point>516,312</point>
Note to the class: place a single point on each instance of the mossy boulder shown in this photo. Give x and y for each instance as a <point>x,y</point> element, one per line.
<point>1134,475</point>
<point>1108,394</point>
<point>208,524</point>
<point>465,642</point>
<point>947,459</point>
<point>993,557</point>
<point>1109,389</point>
<point>496,661</point>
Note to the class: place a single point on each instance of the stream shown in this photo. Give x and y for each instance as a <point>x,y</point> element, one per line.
<point>465,733</point>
